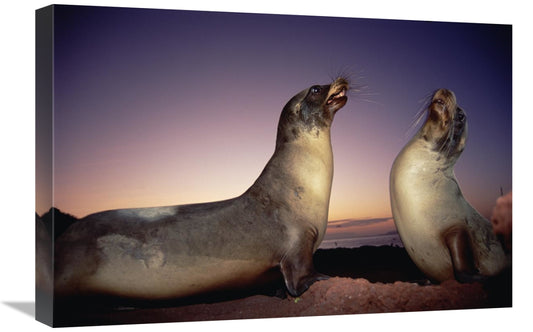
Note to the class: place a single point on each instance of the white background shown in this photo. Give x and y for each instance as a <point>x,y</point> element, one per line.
<point>17,161</point>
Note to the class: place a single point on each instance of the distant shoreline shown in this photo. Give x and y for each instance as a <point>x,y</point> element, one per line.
<point>388,239</point>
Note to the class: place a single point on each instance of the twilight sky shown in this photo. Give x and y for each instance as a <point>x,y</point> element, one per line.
<point>160,107</point>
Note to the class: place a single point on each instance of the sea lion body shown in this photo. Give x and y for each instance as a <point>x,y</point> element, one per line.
<point>185,250</point>
<point>442,233</point>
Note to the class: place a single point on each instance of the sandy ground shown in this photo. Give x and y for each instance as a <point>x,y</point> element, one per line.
<point>330,297</point>
<point>336,296</point>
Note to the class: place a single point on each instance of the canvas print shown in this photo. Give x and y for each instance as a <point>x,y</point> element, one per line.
<point>207,166</point>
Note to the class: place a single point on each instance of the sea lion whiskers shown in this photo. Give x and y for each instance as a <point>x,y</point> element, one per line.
<point>347,73</point>
<point>356,90</point>
<point>421,114</point>
<point>443,123</point>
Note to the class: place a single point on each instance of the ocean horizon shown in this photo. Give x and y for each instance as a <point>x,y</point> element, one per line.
<point>360,241</point>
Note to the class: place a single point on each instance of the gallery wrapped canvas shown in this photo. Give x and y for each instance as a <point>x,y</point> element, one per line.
<point>208,166</point>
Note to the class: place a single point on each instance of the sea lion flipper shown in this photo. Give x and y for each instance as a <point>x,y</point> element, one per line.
<point>458,243</point>
<point>298,270</point>
<point>299,277</point>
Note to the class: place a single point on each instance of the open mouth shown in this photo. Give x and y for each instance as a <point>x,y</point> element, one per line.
<point>335,97</point>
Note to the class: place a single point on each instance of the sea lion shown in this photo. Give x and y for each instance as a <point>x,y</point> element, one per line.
<point>171,252</point>
<point>442,233</point>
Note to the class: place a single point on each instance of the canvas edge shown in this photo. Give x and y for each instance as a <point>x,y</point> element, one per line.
<point>44,309</point>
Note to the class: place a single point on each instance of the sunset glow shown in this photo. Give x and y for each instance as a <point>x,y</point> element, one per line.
<point>160,108</point>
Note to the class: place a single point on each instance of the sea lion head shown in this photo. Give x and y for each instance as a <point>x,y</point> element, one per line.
<point>312,110</point>
<point>445,129</point>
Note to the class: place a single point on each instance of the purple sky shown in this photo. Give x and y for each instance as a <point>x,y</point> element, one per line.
<point>158,107</point>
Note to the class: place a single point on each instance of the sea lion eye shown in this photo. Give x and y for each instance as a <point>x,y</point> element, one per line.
<point>316,89</point>
<point>460,115</point>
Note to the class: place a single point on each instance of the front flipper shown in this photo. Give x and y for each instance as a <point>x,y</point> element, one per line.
<point>464,267</point>
<point>297,267</point>
<point>298,278</point>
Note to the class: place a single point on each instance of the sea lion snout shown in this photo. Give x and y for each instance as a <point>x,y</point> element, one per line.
<point>445,95</point>
<point>443,109</point>
<point>445,104</point>
<point>446,125</point>
<point>444,101</point>
<point>337,94</point>
<point>340,83</point>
